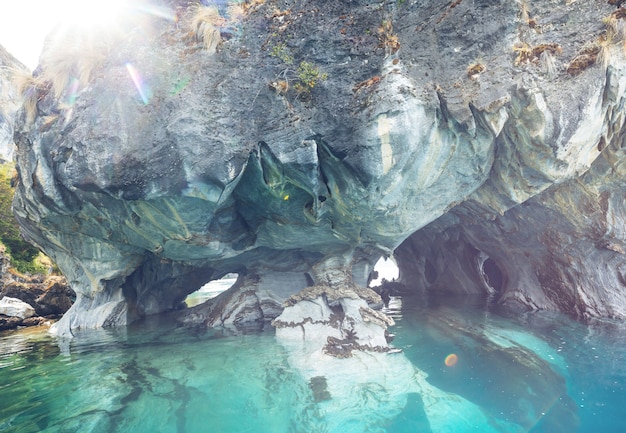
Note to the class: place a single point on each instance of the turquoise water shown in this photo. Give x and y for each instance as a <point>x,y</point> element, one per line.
<point>535,373</point>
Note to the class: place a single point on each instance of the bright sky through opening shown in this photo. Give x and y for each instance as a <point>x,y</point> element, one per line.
<point>24,24</point>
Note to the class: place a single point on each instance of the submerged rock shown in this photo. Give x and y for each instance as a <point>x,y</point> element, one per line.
<point>313,139</point>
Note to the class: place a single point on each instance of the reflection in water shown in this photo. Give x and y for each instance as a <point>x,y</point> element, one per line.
<point>537,373</point>
<point>512,375</point>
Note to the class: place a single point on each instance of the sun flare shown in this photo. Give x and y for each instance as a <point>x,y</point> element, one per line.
<point>90,14</point>
<point>25,25</point>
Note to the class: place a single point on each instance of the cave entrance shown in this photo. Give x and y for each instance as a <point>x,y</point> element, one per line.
<point>384,268</point>
<point>211,290</point>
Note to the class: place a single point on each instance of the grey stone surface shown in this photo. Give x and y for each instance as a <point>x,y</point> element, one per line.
<point>215,166</point>
<point>9,103</point>
<point>13,307</point>
<point>252,299</point>
<point>563,249</point>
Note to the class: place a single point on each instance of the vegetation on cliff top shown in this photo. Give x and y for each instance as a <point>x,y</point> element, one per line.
<point>24,257</point>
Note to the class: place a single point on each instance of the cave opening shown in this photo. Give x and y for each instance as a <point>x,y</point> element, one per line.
<point>385,268</point>
<point>492,274</point>
<point>211,289</point>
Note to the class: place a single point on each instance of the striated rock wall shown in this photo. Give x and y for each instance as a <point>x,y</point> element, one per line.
<point>318,137</point>
<point>563,249</point>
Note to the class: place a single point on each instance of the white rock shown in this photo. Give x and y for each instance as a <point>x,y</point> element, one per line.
<point>16,308</point>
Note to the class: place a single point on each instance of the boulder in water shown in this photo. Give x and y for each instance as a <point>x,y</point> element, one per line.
<point>13,307</point>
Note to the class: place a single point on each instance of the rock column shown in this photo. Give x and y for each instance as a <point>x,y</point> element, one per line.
<point>335,313</point>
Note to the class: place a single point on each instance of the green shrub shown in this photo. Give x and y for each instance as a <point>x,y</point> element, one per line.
<point>22,253</point>
<point>280,51</point>
<point>309,75</point>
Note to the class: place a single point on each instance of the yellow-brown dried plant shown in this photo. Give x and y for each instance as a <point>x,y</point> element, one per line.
<point>528,54</point>
<point>389,40</point>
<point>475,69</point>
<point>30,89</point>
<point>204,23</point>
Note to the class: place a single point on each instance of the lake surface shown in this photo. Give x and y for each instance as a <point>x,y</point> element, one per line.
<point>463,368</point>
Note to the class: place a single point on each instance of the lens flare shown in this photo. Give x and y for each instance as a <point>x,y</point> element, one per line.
<point>72,91</point>
<point>451,360</point>
<point>157,11</point>
<point>88,14</point>
<point>140,85</point>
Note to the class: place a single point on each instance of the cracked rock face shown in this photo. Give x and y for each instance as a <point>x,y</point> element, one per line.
<point>170,165</point>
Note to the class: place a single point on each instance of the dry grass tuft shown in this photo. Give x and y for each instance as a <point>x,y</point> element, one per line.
<point>605,43</point>
<point>252,5</point>
<point>236,11</point>
<point>69,55</point>
<point>30,90</point>
<point>619,14</point>
<point>388,39</point>
<point>528,54</point>
<point>548,63</point>
<point>611,23</point>
<point>205,23</point>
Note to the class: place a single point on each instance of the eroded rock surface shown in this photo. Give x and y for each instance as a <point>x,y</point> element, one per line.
<point>317,138</point>
<point>561,250</point>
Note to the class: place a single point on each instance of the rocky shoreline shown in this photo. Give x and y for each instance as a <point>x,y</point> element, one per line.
<point>31,300</point>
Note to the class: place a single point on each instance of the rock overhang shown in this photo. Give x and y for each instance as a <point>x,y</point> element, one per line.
<point>213,172</point>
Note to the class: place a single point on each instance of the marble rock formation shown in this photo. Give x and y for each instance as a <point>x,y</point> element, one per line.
<point>314,138</point>
<point>13,307</point>
<point>563,249</point>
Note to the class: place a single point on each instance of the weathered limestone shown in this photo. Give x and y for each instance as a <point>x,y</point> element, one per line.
<point>334,314</point>
<point>252,299</point>
<point>143,189</point>
<point>13,307</point>
<point>561,250</point>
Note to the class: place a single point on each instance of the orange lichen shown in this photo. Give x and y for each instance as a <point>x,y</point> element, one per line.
<point>367,83</point>
<point>528,54</point>
<point>475,69</point>
<point>583,60</point>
